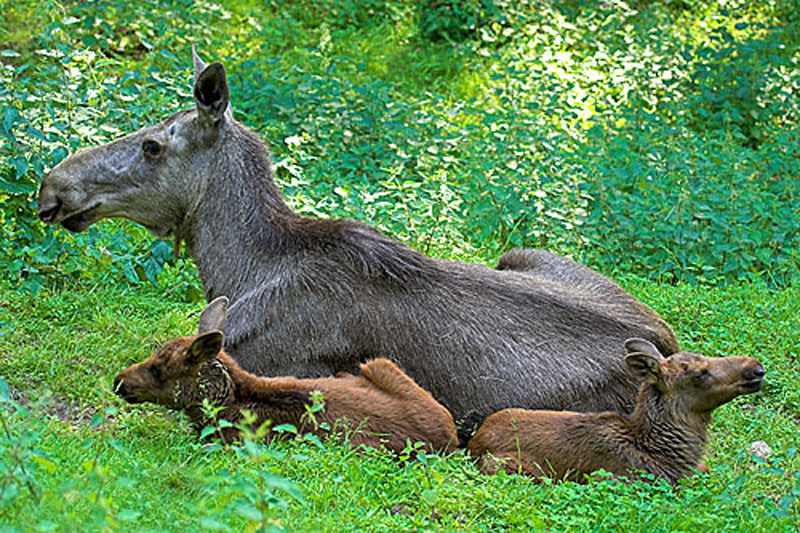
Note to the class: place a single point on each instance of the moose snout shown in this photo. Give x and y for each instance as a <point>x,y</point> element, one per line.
<point>120,389</point>
<point>119,384</point>
<point>49,202</point>
<point>49,211</point>
<point>754,372</point>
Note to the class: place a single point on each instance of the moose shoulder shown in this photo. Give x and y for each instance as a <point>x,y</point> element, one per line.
<point>315,297</point>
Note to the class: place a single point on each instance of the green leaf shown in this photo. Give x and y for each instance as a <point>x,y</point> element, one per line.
<point>10,115</point>
<point>128,515</point>
<point>97,419</point>
<point>10,492</point>
<point>45,463</point>
<point>249,512</point>
<point>5,393</point>
<point>20,164</point>
<point>130,272</point>
<point>313,439</point>
<point>212,524</point>
<point>208,430</point>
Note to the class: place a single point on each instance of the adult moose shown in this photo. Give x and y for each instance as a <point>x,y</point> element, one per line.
<point>310,298</point>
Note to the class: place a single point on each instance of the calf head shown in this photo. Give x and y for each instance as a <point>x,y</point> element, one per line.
<point>151,176</point>
<point>181,374</point>
<point>699,383</point>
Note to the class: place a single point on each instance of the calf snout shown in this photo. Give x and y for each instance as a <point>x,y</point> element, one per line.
<point>122,390</point>
<point>754,372</point>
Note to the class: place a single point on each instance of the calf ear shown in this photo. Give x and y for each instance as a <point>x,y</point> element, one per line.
<point>644,367</point>
<point>211,94</point>
<point>214,317</point>
<point>205,348</point>
<point>637,345</point>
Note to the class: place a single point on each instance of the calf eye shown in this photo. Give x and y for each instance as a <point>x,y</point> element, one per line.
<point>701,376</point>
<point>155,372</point>
<point>151,148</point>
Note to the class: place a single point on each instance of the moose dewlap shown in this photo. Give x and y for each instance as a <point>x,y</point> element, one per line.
<point>381,406</point>
<point>665,436</point>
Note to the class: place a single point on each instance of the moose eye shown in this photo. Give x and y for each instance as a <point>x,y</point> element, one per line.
<point>155,372</point>
<point>151,148</point>
<point>702,376</point>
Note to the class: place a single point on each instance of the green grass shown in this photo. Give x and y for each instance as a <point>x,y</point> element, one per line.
<point>66,345</point>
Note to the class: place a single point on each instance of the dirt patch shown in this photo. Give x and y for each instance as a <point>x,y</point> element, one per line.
<point>67,411</point>
<point>71,412</point>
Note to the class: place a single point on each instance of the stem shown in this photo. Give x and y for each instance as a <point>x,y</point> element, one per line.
<point>21,464</point>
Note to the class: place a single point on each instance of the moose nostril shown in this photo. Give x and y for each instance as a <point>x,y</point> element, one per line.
<point>756,373</point>
<point>49,214</point>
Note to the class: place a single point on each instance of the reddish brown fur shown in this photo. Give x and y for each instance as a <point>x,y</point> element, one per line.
<point>664,436</point>
<point>382,404</point>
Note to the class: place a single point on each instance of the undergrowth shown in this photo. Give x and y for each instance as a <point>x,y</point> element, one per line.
<point>659,139</point>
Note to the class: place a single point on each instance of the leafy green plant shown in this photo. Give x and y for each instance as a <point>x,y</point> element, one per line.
<point>253,491</point>
<point>602,131</point>
<point>484,21</point>
<point>19,460</point>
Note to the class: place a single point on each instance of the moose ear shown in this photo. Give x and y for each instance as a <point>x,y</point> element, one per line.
<point>644,367</point>
<point>199,66</point>
<point>211,93</point>
<point>205,347</point>
<point>214,317</point>
<point>637,345</point>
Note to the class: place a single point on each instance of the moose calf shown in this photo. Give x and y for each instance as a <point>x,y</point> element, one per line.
<point>382,404</point>
<point>665,436</point>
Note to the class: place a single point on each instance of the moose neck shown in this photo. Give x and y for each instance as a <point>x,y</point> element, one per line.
<point>244,238</point>
<point>223,383</point>
<point>672,437</point>
<point>246,386</point>
<point>238,223</point>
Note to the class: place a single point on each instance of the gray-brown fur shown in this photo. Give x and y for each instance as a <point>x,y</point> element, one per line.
<point>381,406</point>
<point>665,436</point>
<point>314,297</point>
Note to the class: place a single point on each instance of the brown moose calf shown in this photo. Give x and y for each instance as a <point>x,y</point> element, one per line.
<point>665,436</point>
<point>382,404</point>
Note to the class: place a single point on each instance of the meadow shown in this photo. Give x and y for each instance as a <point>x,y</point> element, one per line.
<point>654,141</point>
